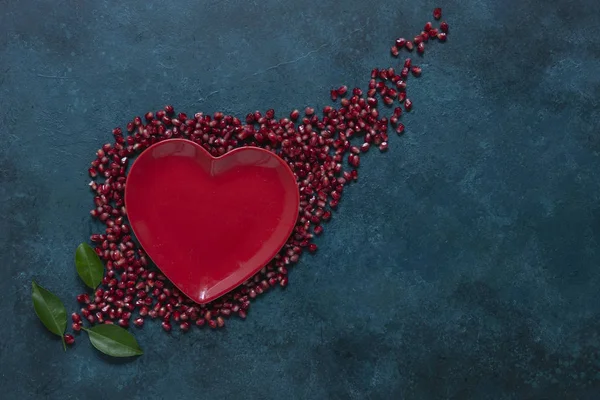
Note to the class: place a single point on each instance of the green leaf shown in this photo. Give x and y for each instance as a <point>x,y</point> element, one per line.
<point>114,341</point>
<point>89,266</point>
<point>50,310</point>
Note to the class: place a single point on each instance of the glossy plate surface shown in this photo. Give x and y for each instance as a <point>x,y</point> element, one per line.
<point>210,223</point>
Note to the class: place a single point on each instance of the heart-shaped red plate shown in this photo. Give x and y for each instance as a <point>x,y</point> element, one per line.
<point>210,223</point>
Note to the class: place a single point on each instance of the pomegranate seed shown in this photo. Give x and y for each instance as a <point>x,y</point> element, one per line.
<point>437,13</point>
<point>185,326</point>
<point>169,109</point>
<point>408,105</point>
<point>441,37</point>
<point>400,129</point>
<point>421,48</point>
<point>76,318</point>
<point>312,248</point>
<point>444,27</point>
<point>334,94</point>
<point>83,298</point>
<point>409,45</point>
<point>416,71</point>
<point>342,90</point>
<point>383,146</point>
<point>427,27</point>
<point>394,51</point>
<point>294,115</point>
<point>400,42</point>
<point>69,339</point>
<point>139,322</point>
<point>166,326</point>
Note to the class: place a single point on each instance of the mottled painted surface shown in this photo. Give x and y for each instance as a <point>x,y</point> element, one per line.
<point>465,265</point>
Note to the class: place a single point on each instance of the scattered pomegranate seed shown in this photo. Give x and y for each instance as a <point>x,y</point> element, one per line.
<point>437,13</point>
<point>421,48</point>
<point>444,27</point>
<point>394,51</point>
<point>441,37</point>
<point>416,71</point>
<point>342,90</point>
<point>408,105</point>
<point>76,318</point>
<point>409,46</point>
<point>69,339</point>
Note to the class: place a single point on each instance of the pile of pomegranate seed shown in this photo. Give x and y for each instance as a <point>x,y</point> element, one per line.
<point>323,152</point>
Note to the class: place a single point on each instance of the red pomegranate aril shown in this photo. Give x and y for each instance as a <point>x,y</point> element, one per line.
<point>383,146</point>
<point>294,115</point>
<point>400,128</point>
<point>69,339</point>
<point>139,322</point>
<point>421,48</point>
<point>444,27</point>
<point>400,42</point>
<point>394,51</point>
<point>184,326</point>
<point>427,27</point>
<point>169,109</point>
<point>342,90</point>
<point>437,13</point>
<point>309,111</point>
<point>417,40</point>
<point>166,326</point>
<point>408,105</point>
<point>416,71</point>
<point>76,318</point>
<point>441,37</point>
<point>83,298</point>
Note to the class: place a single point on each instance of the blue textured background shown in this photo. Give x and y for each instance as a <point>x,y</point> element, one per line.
<point>464,265</point>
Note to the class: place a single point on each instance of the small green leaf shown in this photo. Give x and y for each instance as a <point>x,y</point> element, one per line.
<point>89,266</point>
<point>49,309</point>
<point>114,341</point>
